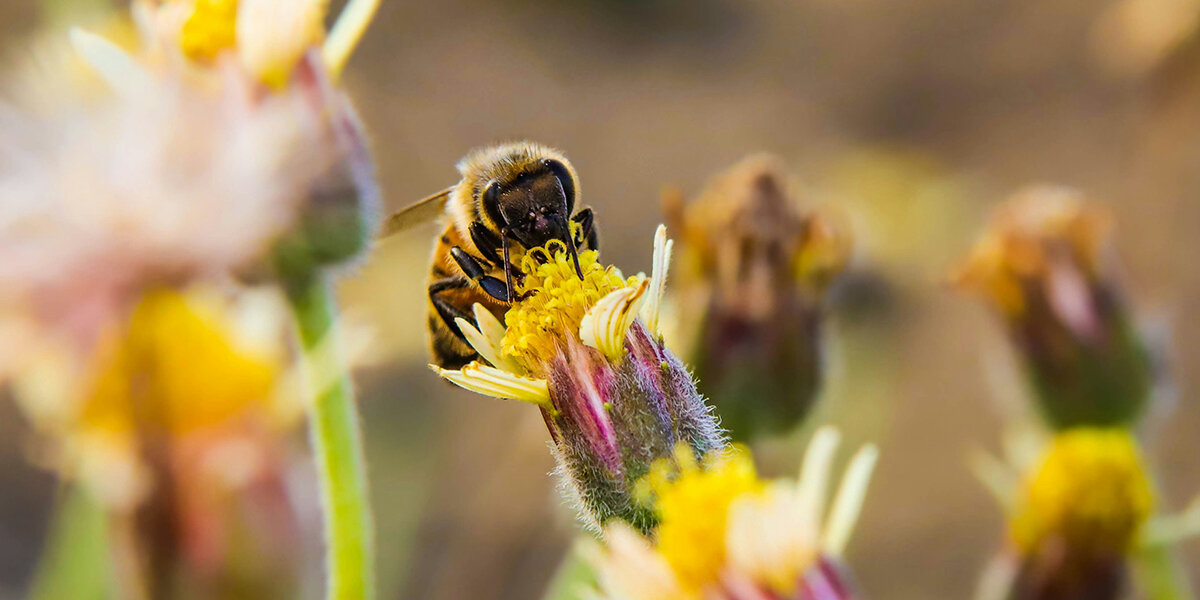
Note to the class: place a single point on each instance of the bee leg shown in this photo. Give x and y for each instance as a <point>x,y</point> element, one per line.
<point>471,268</point>
<point>486,242</point>
<point>587,229</point>
<point>447,311</point>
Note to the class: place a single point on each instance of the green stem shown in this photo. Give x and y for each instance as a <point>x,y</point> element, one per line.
<point>336,443</point>
<point>575,577</point>
<point>1161,576</point>
<point>75,562</point>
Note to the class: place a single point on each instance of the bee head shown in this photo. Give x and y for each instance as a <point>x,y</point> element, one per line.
<point>536,204</point>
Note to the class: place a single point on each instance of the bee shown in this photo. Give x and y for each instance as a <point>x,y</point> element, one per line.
<point>511,198</point>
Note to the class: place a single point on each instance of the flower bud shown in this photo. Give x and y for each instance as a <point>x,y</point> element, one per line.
<point>1045,265</point>
<point>338,219</point>
<point>750,296</point>
<point>614,398</point>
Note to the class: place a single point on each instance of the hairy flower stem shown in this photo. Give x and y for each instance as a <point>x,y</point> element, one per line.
<point>336,440</point>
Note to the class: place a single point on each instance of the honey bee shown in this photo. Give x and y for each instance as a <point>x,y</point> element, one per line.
<point>511,198</point>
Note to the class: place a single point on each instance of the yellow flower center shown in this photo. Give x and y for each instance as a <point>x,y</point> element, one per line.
<point>694,510</point>
<point>176,367</point>
<point>1089,491</point>
<point>269,36</point>
<point>211,28</point>
<point>555,301</point>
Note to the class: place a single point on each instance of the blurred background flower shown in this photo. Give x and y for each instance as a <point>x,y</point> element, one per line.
<point>178,432</point>
<point>749,296</point>
<point>1084,521</point>
<point>726,534</point>
<point>122,207</point>
<point>1046,265</point>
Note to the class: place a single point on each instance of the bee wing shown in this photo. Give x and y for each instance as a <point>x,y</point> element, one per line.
<point>417,213</point>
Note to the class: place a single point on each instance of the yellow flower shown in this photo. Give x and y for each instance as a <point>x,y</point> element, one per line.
<point>1089,491</point>
<point>586,351</point>
<point>181,366</point>
<point>177,367</point>
<point>724,533</point>
<point>695,508</point>
<point>210,29</point>
<point>556,303</point>
<point>557,308</point>
<point>268,38</point>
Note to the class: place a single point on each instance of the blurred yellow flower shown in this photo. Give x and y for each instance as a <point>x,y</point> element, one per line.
<point>267,37</point>
<point>694,509</point>
<point>1089,492</point>
<point>210,29</point>
<point>177,367</point>
<point>182,365</point>
<point>725,534</point>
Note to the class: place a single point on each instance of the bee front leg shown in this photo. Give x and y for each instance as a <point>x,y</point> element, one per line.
<point>447,311</point>
<point>587,237</point>
<point>487,242</point>
<point>471,268</point>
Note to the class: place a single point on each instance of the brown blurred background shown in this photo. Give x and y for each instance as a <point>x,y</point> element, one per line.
<point>912,115</point>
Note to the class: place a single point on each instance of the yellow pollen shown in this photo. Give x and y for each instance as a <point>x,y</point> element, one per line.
<point>211,29</point>
<point>694,510</point>
<point>1088,491</point>
<point>175,367</point>
<point>554,304</point>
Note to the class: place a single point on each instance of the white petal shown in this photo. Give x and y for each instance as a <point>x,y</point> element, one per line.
<point>272,35</point>
<point>605,324</point>
<point>631,569</point>
<point>484,340</point>
<point>1165,530</point>
<point>347,32</point>
<point>848,503</point>
<point>489,325</point>
<point>491,381</point>
<point>658,278</point>
<point>814,473</point>
<point>119,70</point>
<point>768,537</point>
